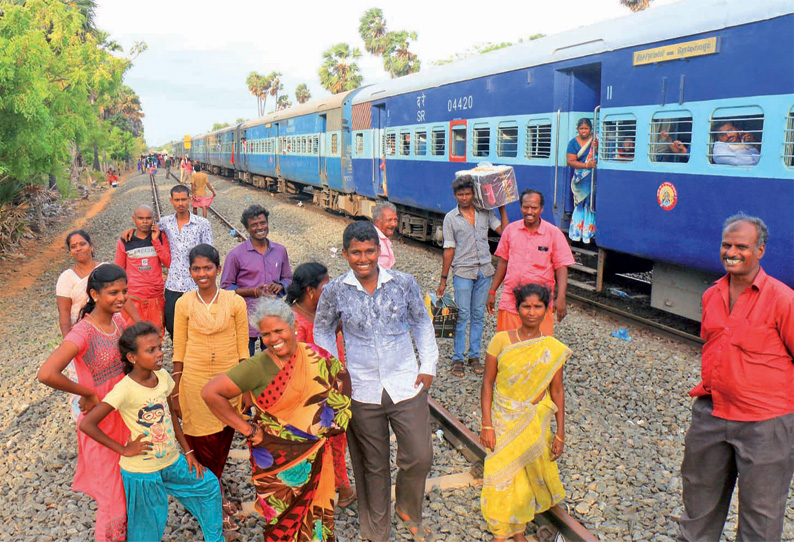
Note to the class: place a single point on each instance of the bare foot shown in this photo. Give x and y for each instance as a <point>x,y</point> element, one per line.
<point>519,537</point>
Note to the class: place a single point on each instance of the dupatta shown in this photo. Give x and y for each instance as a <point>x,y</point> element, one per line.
<point>579,187</point>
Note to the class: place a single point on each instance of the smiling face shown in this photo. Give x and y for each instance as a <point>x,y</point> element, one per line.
<point>258,228</point>
<point>531,210</point>
<point>203,271</point>
<point>362,256</point>
<point>278,337</point>
<point>80,249</point>
<point>387,223</point>
<point>532,311</point>
<point>112,296</point>
<point>739,252</point>
<point>149,355</point>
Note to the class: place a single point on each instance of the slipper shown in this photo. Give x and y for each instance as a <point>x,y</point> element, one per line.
<point>229,508</point>
<point>229,524</point>
<point>476,366</point>
<point>458,369</point>
<point>344,503</point>
<point>420,532</point>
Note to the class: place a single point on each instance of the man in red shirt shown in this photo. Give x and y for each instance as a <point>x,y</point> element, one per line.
<point>743,414</point>
<point>530,250</point>
<point>143,258</point>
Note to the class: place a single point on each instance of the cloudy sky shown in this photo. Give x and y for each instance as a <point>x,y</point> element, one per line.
<point>200,52</point>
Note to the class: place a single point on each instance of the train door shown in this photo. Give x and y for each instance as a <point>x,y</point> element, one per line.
<point>378,151</point>
<point>322,156</point>
<point>277,148</point>
<point>577,94</point>
<point>242,148</point>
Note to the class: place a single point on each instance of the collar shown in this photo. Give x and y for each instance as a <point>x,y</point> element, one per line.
<point>172,217</point>
<point>724,282</point>
<point>381,235</point>
<point>249,246</point>
<point>457,210</point>
<point>542,228</point>
<point>383,277</point>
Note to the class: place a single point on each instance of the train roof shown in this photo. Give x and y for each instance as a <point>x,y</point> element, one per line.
<point>648,26</point>
<point>332,101</point>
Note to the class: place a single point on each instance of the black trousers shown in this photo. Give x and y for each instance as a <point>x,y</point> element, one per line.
<point>170,307</point>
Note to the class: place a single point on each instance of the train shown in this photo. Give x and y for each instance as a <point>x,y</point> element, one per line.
<point>672,72</point>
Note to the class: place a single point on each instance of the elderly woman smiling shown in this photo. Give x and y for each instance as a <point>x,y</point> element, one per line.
<point>302,397</point>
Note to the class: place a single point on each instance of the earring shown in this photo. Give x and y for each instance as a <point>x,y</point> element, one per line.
<point>311,296</point>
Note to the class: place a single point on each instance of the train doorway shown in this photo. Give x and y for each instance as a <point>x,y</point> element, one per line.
<point>322,155</point>
<point>279,148</point>
<point>378,151</point>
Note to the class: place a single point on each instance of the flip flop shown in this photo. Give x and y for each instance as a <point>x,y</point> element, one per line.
<point>420,532</point>
<point>458,369</point>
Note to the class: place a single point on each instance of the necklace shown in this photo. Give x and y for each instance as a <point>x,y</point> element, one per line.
<point>94,322</point>
<point>82,272</point>
<point>468,216</point>
<point>305,310</point>
<point>518,335</point>
<point>208,305</point>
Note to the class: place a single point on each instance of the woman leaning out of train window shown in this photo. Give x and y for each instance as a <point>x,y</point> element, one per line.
<point>581,157</point>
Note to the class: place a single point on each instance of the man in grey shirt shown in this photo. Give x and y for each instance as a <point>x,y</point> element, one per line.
<point>466,250</point>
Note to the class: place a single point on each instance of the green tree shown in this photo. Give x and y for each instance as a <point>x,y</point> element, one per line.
<point>339,71</point>
<point>398,60</point>
<point>259,86</point>
<point>302,93</point>
<point>636,5</point>
<point>372,29</point>
<point>283,102</point>
<point>219,125</point>
<point>482,49</point>
<point>275,85</point>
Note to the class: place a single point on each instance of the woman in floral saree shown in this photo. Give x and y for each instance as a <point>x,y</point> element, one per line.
<point>302,397</point>
<point>522,390</point>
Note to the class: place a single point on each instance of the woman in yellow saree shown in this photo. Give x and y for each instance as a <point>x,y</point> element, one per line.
<point>522,390</point>
<point>302,397</point>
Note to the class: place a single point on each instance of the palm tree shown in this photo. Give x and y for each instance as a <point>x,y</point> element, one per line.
<point>372,29</point>
<point>339,72</point>
<point>259,86</point>
<point>283,102</point>
<point>275,84</point>
<point>302,93</point>
<point>397,59</point>
<point>636,5</point>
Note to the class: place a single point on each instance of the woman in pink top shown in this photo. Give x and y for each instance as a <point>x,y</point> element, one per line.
<point>93,343</point>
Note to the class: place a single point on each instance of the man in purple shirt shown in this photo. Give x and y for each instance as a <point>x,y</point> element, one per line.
<point>256,267</point>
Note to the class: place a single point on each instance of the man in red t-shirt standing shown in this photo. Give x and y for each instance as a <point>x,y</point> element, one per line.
<point>143,258</point>
<point>743,414</point>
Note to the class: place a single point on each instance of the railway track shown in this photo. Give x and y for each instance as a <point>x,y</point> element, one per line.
<point>463,439</point>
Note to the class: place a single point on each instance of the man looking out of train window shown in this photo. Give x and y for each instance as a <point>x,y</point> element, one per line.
<point>384,215</point>
<point>733,146</point>
<point>530,250</point>
<point>743,414</point>
<point>467,252</point>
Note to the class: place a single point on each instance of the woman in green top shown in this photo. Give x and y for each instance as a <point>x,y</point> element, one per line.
<point>302,397</point>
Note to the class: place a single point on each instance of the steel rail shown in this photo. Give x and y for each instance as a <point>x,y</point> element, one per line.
<point>156,199</point>
<point>628,317</point>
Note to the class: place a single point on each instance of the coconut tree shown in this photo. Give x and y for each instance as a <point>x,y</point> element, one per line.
<point>372,29</point>
<point>302,94</point>
<point>339,71</point>
<point>275,84</point>
<point>283,102</point>
<point>636,5</point>
<point>398,60</point>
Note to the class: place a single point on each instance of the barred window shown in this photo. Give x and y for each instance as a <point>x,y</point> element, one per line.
<point>334,144</point>
<point>420,142</point>
<point>617,137</point>
<point>359,144</point>
<point>480,140</point>
<point>391,143</point>
<point>507,140</point>
<point>670,137</point>
<point>439,142</point>
<point>458,141</point>
<point>405,143</point>
<point>538,139</point>
<point>788,146</point>
<point>315,144</point>
<point>735,136</point>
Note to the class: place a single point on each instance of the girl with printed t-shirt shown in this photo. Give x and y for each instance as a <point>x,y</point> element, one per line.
<point>151,465</point>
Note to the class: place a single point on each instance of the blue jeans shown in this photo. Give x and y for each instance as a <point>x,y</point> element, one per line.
<point>470,296</point>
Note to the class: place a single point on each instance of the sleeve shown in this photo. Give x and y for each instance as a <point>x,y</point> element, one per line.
<point>786,322</point>
<point>79,337</point>
<point>180,329</point>
<point>724,154</point>
<point>206,233</point>
<point>121,255</point>
<point>573,147</point>
<point>301,333</point>
<point>170,384</point>
<point>116,396</point>
<point>449,233</point>
<point>163,249</point>
<point>493,221</point>
<point>503,248</point>
<point>497,344</point>
<point>251,374</point>
<point>286,271</point>
<point>422,330</point>
<point>326,319</point>
<point>229,274</point>
<point>241,326</point>
<point>63,287</point>
<point>561,255</point>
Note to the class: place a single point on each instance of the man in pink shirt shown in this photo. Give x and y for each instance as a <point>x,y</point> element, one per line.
<point>530,250</point>
<point>384,215</point>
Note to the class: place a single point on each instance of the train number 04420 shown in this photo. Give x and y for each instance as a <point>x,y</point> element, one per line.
<point>462,103</point>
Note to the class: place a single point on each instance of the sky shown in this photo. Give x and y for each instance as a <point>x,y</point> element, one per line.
<point>199,53</point>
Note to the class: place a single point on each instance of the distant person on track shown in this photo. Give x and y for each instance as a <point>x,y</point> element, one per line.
<point>743,414</point>
<point>210,338</point>
<point>140,165</point>
<point>168,162</point>
<point>522,391</point>
<point>293,473</point>
<point>530,250</point>
<point>153,469</point>
<point>258,267</point>
<point>199,183</point>
<point>581,158</point>
<point>152,172</point>
<point>93,344</point>
<point>734,147</point>
<point>182,169</point>
<point>380,311</point>
<point>384,215</point>
<point>303,295</point>
<point>143,257</point>
<point>466,251</point>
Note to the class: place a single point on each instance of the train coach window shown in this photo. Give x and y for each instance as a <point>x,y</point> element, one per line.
<point>507,140</point>
<point>617,137</point>
<point>480,140</point>
<point>405,143</point>
<point>391,143</point>
<point>315,144</point>
<point>359,144</point>
<point>420,143</point>
<point>735,135</point>
<point>670,137</point>
<point>458,142</point>
<point>334,144</point>
<point>788,146</point>
<point>538,139</point>
<point>439,143</point>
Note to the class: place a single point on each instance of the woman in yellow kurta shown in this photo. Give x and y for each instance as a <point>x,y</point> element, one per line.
<point>522,390</point>
<point>199,183</point>
<point>210,337</point>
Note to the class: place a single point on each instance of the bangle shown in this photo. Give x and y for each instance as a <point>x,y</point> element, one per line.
<point>176,373</point>
<point>487,427</point>
<point>557,437</point>
<point>188,453</point>
<point>256,292</point>
<point>174,395</point>
<point>491,292</point>
<point>444,277</point>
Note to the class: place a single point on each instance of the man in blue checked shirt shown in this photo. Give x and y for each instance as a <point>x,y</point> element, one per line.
<point>379,310</point>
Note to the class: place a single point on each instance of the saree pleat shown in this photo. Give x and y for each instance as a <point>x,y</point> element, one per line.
<point>520,479</point>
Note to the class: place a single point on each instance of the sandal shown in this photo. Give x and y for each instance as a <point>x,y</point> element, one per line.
<point>229,524</point>
<point>458,369</point>
<point>344,503</point>
<point>476,366</point>
<point>547,534</point>
<point>420,532</point>
<point>229,508</point>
